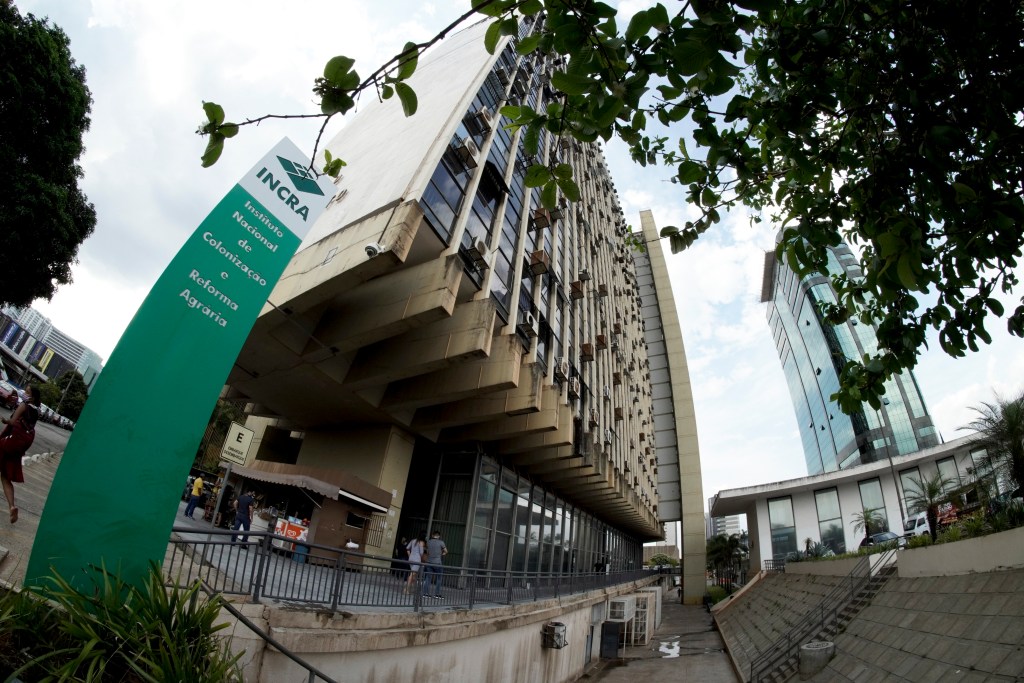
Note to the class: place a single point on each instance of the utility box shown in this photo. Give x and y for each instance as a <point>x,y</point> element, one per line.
<point>610,634</point>
<point>553,635</point>
<point>622,609</point>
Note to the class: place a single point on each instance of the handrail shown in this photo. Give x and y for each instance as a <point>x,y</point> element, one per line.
<point>825,613</point>
<point>314,672</point>
<point>273,567</point>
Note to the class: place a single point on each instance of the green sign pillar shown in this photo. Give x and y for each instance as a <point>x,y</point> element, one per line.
<point>116,492</point>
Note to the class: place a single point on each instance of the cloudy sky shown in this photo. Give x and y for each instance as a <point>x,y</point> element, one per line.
<point>150,65</point>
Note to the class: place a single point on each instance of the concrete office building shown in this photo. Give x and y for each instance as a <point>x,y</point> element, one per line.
<point>813,353</point>
<point>510,376</point>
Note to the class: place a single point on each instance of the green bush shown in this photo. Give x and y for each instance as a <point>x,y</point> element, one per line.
<point>974,525</point>
<point>114,632</point>
<point>919,541</point>
<point>950,534</point>
<point>717,593</point>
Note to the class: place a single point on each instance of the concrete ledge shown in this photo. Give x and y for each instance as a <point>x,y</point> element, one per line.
<point>995,552</point>
<point>841,567</point>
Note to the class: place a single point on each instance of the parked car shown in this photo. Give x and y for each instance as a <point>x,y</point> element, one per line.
<point>882,537</point>
<point>8,395</point>
<point>917,525</point>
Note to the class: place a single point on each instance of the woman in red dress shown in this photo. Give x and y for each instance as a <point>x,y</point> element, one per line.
<point>15,439</point>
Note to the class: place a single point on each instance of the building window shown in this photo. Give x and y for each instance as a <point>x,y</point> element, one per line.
<point>949,472</point>
<point>871,501</point>
<point>783,527</point>
<point>830,520</point>
<point>910,482</point>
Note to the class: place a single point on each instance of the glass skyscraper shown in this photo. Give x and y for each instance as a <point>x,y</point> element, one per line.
<point>813,353</point>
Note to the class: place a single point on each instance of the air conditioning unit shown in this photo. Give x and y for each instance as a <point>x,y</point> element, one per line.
<point>561,369</point>
<point>485,115</point>
<point>469,153</point>
<point>574,387</point>
<point>576,290</point>
<point>553,635</point>
<point>502,74</point>
<point>622,609</point>
<point>584,275</point>
<point>607,392</point>
<point>539,262</point>
<point>478,253</point>
<point>528,325</point>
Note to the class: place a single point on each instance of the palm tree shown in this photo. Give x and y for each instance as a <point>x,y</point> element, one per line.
<point>867,521</point>
<point>999,427</point>
<point>928,495</point>
<point>722,552</point>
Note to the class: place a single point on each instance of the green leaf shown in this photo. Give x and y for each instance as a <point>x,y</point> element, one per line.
<point>492,9</point>
<point>549,195</point>
<point>669,230</point>
<point>228,130</point>
<point>407,66</point>
<point>492,37</point>
<point>337,67</point>
<point>408,98</point>
<point>571,84</point>
<point>528,44</point>
<point>386,92</point>
<point>214,112</point>
<point>569,188</point>
<point>335,101</point>
<point>905,271</point>
<point>690,57</point>
<point>213,150</point>
<point>690,172</point>
<point>537,175</point>
<point>563,171</point>
<point>639,26</point>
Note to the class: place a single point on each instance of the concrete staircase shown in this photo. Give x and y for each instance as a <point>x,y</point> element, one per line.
<point>831,625</point>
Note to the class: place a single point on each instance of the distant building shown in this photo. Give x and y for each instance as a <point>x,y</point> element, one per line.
<point>813,353</point>
<point>782,515</point>
<point>40,351</point>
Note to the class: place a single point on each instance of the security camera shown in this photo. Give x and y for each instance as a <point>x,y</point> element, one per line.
<point>372,249</point>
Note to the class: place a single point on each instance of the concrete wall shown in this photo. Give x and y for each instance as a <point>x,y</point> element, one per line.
<point>497,645</point>
<point>995,552</point>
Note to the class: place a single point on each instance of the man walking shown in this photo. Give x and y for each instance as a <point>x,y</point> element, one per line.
<point>193,501</point>
<point>243,516</point>
<point>436,550</point>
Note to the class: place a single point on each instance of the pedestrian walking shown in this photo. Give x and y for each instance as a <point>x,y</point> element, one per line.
<point>436,550</point>
<point>243,516</point>
<point>416,548</point>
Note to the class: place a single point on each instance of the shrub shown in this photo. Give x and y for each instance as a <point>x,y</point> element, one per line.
<point>114,632</point>
<point>950,535</point>
<point>1015,514</point>
<point>974,525</point>
<point>919,541</point>
<point>717,593</point>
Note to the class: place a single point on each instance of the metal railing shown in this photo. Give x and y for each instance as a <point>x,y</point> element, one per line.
<point>775,566</point>
<point>275,568</point>
<point>822,619</point>
<point>313,673</point>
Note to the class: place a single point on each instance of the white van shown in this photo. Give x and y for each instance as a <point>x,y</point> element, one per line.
<point>917,525</point>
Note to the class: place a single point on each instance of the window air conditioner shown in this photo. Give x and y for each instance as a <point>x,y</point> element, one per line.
<point>574,387</point>
<point>469,153</point>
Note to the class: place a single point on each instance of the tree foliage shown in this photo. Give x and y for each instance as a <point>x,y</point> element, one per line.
<point>44,111</point>
<point>928,493</point>
<point>868,520</point>
<point>66,394</point>
<point>999,428</point>
<point>895,126</point>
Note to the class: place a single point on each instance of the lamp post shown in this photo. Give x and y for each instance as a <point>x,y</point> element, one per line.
<point>892,469</point>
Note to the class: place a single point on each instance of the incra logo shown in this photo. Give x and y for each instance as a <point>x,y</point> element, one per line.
<point>303,180</point>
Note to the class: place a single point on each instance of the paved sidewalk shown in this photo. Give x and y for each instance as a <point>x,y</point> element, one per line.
<point>684,648</point>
